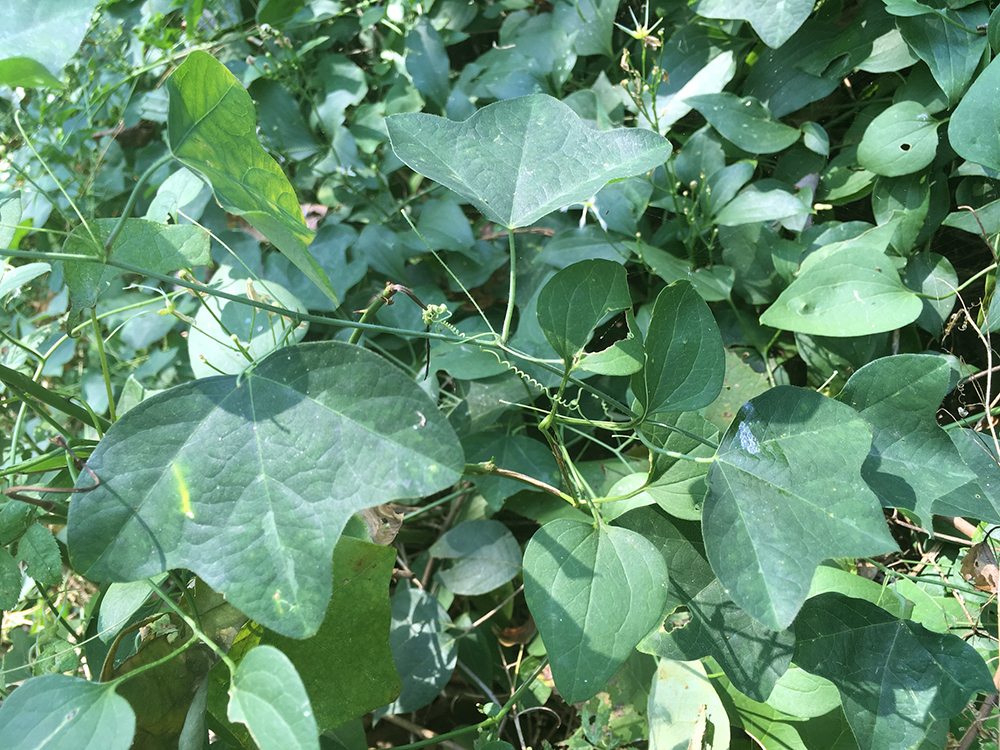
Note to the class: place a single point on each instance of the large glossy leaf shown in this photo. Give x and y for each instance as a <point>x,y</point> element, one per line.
<point>774,22</point>
<point>485,554</point>
<point>973,129</point>
<point>248,482</point>
<point>895,677</point>
<point>574,301</point>
<point>913,462</point>
<point>212,130</point>
<point>347,667</point>
<point>751,655</point>
<point>745,122</point>
<point>39,38</point>
<point>851,291</point>
<point>59,711</point>
<point>520,159</point>
<point>594,592</point>
<point>784,493</point>
<point>160,248</point>
<point>685,361</point>
<point>268,696</point>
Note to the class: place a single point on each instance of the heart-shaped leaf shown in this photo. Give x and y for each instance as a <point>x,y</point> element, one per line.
<point>59,711</point>
<point>685,360</point>
<point>913,462</point>
<point>268,696</point>
<point>212,130</point>
<point>901,140</point>
<point>520,159</point>
<point>594,593</point>
<point>895,677</point>
<point>851,291</point>
<point>745,122</point>
<point>784,493</point>
<point>249,481</point>
<point>574,301</point>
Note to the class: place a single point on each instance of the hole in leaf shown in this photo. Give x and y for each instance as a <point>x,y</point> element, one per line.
<point>905,146</point>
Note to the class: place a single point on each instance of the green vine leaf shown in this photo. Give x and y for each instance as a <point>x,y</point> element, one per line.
<point>574,301</point>
<point>268,696</point>
<point>685,360</point>
<point>520,159</point>
<point>59,711</point>
<point>249,481</point>
<point>896,678</point>
<point>211,129</point>
<point>913,462</point>
<point>975,123</point>
<point>784,493</point>
<point>594,593</point>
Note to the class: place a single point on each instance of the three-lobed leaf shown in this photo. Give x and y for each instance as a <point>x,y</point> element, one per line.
<point>784,493</point>
<point>913,462</point>
<point>249,481</point>
<point>895,677</point>
<point>520,159</point>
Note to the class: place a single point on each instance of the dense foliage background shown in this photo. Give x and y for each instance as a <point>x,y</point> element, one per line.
<point>660,332</point>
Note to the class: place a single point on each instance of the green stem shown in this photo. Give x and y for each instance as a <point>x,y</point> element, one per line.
<point>104,365</point>
<point>112,684</point>
<point>191,623</point>
<point>127,211</point>
<point>932,581</point>
<point>509,315</point>
<point>489,723</point>
<point>380,301</point>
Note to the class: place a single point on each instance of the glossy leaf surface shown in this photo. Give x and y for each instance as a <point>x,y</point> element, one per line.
<point>784,493</point>
<point>913,462</point>
<point>973,128</point>
<point>685,360</point>
<point>39,38</point>
<point>268,696</point>
<point>895,677</point>
<point>248,482</point>
<point>775,24</point>
<point>520,159</point>
<point>682,704</point>
<point>901,140</point>
<point>594,593</point>
<point>59,711</point>
<point>212,130</point>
